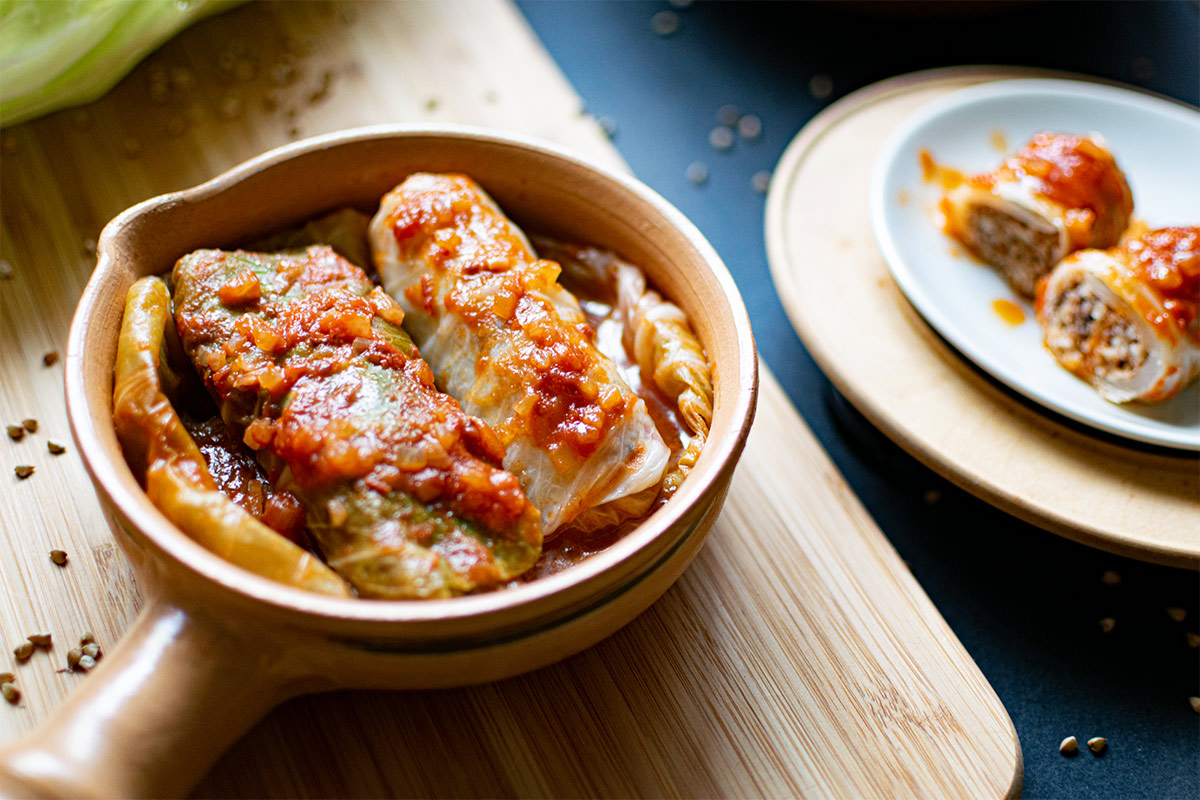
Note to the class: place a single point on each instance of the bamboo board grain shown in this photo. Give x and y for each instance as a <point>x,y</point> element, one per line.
<point>797,656</point>
<point>1098,490</point>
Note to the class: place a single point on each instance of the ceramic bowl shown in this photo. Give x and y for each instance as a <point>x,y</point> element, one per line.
<point>215,646</point>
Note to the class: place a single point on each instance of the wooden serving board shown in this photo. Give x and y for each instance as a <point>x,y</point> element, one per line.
<point>797,656</point>
<point>1133,500</point>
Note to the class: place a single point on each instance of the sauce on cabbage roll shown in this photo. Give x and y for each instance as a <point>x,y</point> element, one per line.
<point>504,337</point>
<point>306,359</point>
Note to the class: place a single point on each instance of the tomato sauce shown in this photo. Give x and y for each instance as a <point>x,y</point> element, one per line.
<point>1168,261</point>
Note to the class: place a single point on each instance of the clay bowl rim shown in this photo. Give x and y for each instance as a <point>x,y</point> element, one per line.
<point>117,486</point>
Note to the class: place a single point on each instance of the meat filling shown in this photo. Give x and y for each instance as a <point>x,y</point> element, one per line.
<point>1091,339</point>
<point>1024,254</point>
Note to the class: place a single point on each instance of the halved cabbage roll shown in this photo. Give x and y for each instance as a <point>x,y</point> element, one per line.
<point>506,339</point>
<point>166,459</point>
<point>307,358</point>
<point>1057,194</point>
<point>1125,319</point>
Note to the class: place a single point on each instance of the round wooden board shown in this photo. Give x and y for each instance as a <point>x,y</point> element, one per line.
<point>1095,489</point>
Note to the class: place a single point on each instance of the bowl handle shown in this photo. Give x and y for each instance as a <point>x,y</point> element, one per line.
<point>153,716</point>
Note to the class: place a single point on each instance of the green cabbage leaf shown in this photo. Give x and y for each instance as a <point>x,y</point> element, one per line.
<point>60,53</point>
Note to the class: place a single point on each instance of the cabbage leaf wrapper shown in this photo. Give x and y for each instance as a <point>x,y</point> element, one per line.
<point>401,488</point>
<point>1126,319</point>
<point>654,331</point>
<point>167,461</point>
<point>505,338</point>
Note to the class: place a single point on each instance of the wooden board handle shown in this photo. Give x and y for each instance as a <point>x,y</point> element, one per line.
<point>152,717</point>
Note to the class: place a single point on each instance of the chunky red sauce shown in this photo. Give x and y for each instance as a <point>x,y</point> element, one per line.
<point>1168,261</point>
<point>1078,174</point>
<point>315,327</point>
<point>495,279</point>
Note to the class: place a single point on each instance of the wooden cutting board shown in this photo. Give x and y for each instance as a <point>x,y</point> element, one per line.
<point>796,656</point>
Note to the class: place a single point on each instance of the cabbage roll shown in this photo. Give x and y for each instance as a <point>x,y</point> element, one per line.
<point>306,358</point>
<point>513,346</point>
<point>655,332</point>
<point>1125,319</point>
<point>170,466</point>
<point>1057,194</point>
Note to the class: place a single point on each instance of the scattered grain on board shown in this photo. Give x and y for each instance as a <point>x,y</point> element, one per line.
<point>11,693</point>
<point>323,91</point>
<point>159,90</point>
<point>23,651</point>
<point>721,137</point>
<point>245,69</point>
<point>182,79</point>
<point>1107,624</point>
<point>231,106</point>
<point>59,557</point>
<point>697,173</point>
<point>50,359</point>
<point>86,662</point>
<point>41,639</point>
<point>15,432</point>
<point>283,73</point>
<point>749,127</point>
<point>87,638</point>
<point>1177,614</point>
<point>55,448</point>
<point>820,86</point>
<point>23,471</point>
<point>8,677</point>
<point>608,125</point>
<point>30,425</point>
<point>1097,744</point>
<point>761,181</point>
<point>728,115</point>
<point>297,45</point>
<point>91,649</point>
<point>664,23</point>
<point>73,656</point>
<point>176,126</point>
<point>1069,746</point>
<point>1110,577</point>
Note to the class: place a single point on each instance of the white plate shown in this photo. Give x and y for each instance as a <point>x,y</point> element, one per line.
<point>1156,143</point>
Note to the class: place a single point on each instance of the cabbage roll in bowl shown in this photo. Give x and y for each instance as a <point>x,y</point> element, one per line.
<point>400,491</point>
<point>555,400</point>
<point>504,337</point>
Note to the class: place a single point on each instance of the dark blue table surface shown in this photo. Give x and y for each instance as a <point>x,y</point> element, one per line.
<point>1025,603</point>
